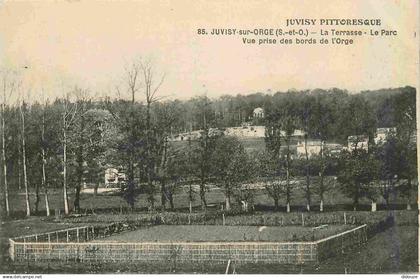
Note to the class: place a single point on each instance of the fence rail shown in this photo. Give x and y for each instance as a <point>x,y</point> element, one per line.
<point>78,245</point>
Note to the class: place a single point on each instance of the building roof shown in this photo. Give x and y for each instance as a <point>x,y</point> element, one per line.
<point>259,110</point>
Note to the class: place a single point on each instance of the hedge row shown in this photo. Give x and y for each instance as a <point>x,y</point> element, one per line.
<point>400,218</point>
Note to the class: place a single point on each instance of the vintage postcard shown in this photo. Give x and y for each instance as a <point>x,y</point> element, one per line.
<point>209,137</point>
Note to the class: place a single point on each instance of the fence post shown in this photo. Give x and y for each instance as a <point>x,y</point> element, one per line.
<point>345,219</point>
<point>36,237</point>
<point>56,234</point>
<point>77,234</point>
<point>303,221</point>
<point>223,216</point>
<point>67,235</point>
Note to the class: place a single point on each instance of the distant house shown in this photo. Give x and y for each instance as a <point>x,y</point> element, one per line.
<point>312,146</point>
<point>243,132</point>
<point>246,132</point>
<point>357,142</point>
<point>113,176</point>
<point>383,133</point>
<point>193,135</point>
<point>258,113</point>
<point>296,134</point>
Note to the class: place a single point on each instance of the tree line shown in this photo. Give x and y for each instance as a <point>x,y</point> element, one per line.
<point>71,140</point>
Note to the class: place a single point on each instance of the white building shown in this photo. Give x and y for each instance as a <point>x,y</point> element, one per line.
<point>383,133</point>
<point>258,113</point>
<point>246,132</point>
<point>243,132</point>
<point>312,146</point>
<point>296,134</point>
<point>193,135</point>
<point>113,177</point>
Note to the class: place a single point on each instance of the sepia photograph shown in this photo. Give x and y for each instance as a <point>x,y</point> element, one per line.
<point>209,137</point>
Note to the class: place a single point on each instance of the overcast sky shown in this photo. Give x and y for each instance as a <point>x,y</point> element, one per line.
<point>87,43</point>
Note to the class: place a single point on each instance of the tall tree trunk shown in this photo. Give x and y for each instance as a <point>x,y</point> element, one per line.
<point>321,178</point>
<point>76,202</point>
<point>387,188</point>
<point>65,197</point>
<point>149,161</point>
<point>308,192</point>
<point>130,191</point>
<point>321,192</point>
<point>163,171</point>
<point>43,170</point>
<point>80,160</point>
<point>25,177</point>
<point>163,198</point>
<point>203,170</point>
<point>3,139</point>
<point>276,203</point>
<point>356,198</point>
<point>19,165</point>
<point>409,193</point>
<point>203,195</point>
<point>171,200</point>
<point>203,181</point>
<point>288,176</point>
<point>37,198</point>
<point>190,197</point>
<point>227,201</point>
<point>44,181</point>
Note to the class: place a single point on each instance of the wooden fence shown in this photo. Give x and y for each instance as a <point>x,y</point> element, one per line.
<point>86,249</point>
<point>340,243</point>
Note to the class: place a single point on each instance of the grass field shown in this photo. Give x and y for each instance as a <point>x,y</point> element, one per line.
<point>193,233</point>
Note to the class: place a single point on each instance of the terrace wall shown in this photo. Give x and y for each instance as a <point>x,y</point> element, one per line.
<point>242,252</point>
